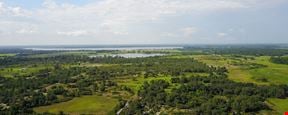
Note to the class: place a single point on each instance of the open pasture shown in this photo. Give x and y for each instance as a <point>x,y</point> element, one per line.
<point>82,105</point>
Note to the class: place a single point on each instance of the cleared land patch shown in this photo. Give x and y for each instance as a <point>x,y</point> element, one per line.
<point>136,82</point>
<point>270,74</point>
<point>99,105</point>
<point>280,105</point>
<point>7,55</point>
<point>22,71</point>
<point>274,73</point>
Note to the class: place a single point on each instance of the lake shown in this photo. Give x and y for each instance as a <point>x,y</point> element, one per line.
<point>130,55</point>
<point>111,48</point>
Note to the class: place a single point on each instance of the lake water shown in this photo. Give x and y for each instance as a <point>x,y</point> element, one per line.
<point>130,55</point>
<point>99,48</point>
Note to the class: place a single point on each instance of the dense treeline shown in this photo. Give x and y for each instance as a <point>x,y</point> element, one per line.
<point>214,94</point>
<point>251,51</point>
<point>8,61</point>
<point>279,59</point>
<point>20,94</point>
<point>153,64</point>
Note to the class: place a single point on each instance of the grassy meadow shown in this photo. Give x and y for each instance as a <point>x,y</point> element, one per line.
<point>135,83</point>
<point>7,55</point>
<point>22,70</point>
<point>273,73</point>
<point>280,105</point>
<point>99,105</point>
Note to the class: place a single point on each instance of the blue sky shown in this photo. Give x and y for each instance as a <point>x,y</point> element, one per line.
<point>55,22</point>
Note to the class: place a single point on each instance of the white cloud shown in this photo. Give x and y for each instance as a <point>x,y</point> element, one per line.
<point>26,31</point>
<point>1,7</point>
<point>74,33</point>
<point>117,12</point>
<point>119,15</point>
<point>12,11</point>
<point>180,33</point>
<point>222,34</point>
<point>16,11</point>
<point>189,31</point>
<point>169,34</point>
<point>12,28</point>
<point>111,17</point>
<point>120,33</point>
<point>50,4</point>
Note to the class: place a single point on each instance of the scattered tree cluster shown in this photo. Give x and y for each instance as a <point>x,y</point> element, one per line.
<point>214,94</point>
<point>279,59</point>
<point>66,78</point>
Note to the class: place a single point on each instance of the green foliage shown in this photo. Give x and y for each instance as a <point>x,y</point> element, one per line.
<point>40,88</point>
<point>248,51</point>
<point>195,88</point>
<point>214,94</point>
<point>279,59</point>
<point>82,105</point>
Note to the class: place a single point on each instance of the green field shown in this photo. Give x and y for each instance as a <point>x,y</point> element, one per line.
<point>235,73</point>
<point>7,55</point>
<point>274,73</point>
<point>137,82</point>
<point>280,105</point>
<point>21,70</point>
<point>239,75</point>
<point>99,105</point>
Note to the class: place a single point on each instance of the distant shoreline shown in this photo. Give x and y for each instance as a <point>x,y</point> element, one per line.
<point>100,48</point>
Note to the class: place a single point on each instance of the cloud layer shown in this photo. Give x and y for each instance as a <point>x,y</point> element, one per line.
<point>110,19</point>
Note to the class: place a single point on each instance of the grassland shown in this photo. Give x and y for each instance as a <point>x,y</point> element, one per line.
<point>99,105</point>
<point>280,105</point>
<point>135,82</point>
<point>7,55</point>
<point>274,73</point>
<point>240,75</point>
<point>21,70</point>
<point>236,73</point>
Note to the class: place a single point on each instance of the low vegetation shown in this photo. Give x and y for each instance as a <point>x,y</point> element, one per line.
<point>81,105</point>
<point>280,59</point>
<point>189,81</point>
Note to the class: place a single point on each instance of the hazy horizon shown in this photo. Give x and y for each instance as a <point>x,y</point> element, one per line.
<point>144,45</point>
